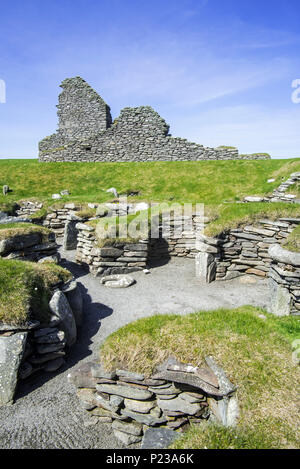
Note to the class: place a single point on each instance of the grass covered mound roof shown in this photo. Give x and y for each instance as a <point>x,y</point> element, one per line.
<point>10,230</point>
<point>25,290</point>
<point>255,353</point>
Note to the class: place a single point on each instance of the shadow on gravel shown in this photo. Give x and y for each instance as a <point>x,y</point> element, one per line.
<point>77,270</point>
<point>93,314</point>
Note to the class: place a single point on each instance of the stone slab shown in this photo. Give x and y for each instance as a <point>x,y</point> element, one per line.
<point>11,353</point>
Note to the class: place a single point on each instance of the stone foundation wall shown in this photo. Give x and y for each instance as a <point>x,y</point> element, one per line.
<point>241,251</point>
<point>36,347</point>
<point>284,282</point>
<point>280,194</point>
<point>57,218</point>
<point>29,247</point>
<point>133,403</point>
<point>120,258</point>
<point>177,238</point>
<point>28,208</point>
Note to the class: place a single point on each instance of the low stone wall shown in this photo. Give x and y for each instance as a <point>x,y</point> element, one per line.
<point>35,347</point>
<point>120,258</point>
<point>176,237</point>
<point>179,239</point>
<point>57,218</point>
<point>284,282</point>
<point>29,247</point>
<point>171,398</point>
<point>27,208</point>
<point>241,251</point>
<point>280,194</point>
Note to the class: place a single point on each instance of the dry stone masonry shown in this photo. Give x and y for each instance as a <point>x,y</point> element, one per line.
<point>120,258</point>
<point>30,247</point>
<point>280,194</point>
<point>86,133</point>
<point>241,251</point>
<point>284,282</point>
<point>174,397</point>
<point>35,347</point>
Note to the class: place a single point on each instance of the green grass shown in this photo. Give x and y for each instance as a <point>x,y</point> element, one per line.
<point>256,354</point>
<point>25,290</point>
<point>228,216</point>
<point>209,182</point>
<point>112,230</point>
<point>292,243</point>
<point>10,230</point>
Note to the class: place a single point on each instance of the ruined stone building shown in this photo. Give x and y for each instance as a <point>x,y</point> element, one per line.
<point>86,133</point>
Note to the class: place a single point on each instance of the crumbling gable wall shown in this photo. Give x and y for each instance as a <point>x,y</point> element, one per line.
<point>86,133</point>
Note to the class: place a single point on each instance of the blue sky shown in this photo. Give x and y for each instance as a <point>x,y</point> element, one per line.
<point>218,71</point>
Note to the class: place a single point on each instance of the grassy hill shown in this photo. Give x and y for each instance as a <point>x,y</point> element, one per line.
<point>213,183</point>
<point>210,182</point>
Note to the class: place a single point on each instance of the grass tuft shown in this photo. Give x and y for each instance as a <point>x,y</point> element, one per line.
<point>25,290</point>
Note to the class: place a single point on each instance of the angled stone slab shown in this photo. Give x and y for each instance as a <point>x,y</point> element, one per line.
<point>146,419</point>
<point>178,405</point>
<point>280,299</point>
<point>188,378</point>
<point>11,354</point>
<point>279,254</point>
<point>60,307</point>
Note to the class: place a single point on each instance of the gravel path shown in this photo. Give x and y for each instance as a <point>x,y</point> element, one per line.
<point>47,413</point>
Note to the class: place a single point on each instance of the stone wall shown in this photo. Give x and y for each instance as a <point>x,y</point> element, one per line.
<point>30,247</point>
<point>133,403</point>
<point>36,347</point>
<point>176,237</point>
<point>120,258</point>
<point>241,251</point>
<point>284,282</point>
<point>82,113</point>
<point>57,218</point>
<point>27,208</point>
<point>138,134</point>
<point>280,193</point>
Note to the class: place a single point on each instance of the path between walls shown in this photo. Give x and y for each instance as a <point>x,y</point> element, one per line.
<point>47,413</point>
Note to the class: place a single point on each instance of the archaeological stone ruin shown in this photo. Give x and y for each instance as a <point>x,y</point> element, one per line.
<point>87,133</point>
